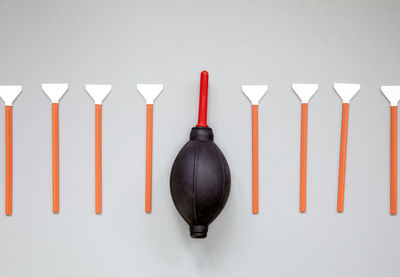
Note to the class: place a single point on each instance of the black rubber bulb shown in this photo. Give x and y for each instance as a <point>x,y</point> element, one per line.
<point>200,178</point>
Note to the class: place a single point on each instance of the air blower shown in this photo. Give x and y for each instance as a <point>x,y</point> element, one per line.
<point>200,178</point>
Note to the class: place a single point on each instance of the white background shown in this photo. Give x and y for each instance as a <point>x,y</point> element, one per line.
<point>171,42</point>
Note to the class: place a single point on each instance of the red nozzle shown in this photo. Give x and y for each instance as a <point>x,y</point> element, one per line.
<point>202,122</point>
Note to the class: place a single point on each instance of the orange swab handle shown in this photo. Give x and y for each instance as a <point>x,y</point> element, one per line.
<point>149,149</point>
<point>254,124</point>
<point>343,151</point>
<point>393,161</point>
<point>98,158</point>
<point>303,157</point>
<point>8,160</point>
<point>56,205</point>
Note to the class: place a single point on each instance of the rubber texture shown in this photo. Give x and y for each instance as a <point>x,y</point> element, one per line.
<point>200,181</point>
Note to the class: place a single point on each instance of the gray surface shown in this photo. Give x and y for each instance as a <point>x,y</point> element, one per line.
<point>238,42</point>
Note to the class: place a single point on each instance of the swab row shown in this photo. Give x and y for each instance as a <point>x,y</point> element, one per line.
<point>346,93</point>
<point>150,92</point>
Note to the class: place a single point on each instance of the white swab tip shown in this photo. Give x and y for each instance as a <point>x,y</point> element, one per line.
<point>98,92</point>
<point>55,91</point>
<point>150,91</point>
<point>9,94</point>
<point>346,91</point>
<point>305,91</point>
<point>254,93</point>
<point>392,93</point>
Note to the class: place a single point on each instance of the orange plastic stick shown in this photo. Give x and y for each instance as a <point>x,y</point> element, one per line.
<point>393,161</point>
<point>254,121</point>
<point>8,160</point>
<point>98,159</point>
<point>343,151</point>
<point>149,150</point>
<point>303,157</point>
<point>56,205</point>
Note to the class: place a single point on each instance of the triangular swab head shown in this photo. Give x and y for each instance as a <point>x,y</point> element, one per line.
<point>305,91</point>
<point>392,93</point>
<point>98,92</point>
<point>346,91</point>
<point>9,94</point>
<point>254,93</point>
<point>149,91</point>
<point>55,91</point>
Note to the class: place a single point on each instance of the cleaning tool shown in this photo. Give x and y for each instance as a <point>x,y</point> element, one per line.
<point>98,93</point>
<point>254,94</point>
<point>8,94</point>
<point>149,93</point>
<point>346,92</point>
<point>55,92</point>
<point>392,93</point>
<point>200,178</point>
<point>304,92</point>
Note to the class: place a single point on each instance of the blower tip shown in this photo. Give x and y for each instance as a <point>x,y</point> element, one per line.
<point>202,122</point>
